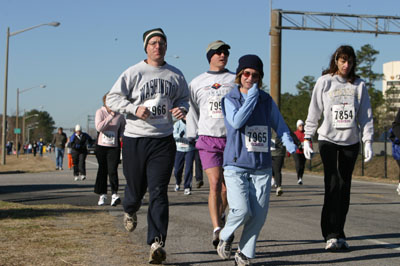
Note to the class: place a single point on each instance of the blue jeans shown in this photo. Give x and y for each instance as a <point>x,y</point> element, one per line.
<point>248,198</point>
<point>59,157</point>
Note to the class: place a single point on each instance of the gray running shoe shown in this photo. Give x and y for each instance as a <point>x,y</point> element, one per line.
<point>241,259</point>
<point>157,253</point>
<point>224,248</point>
<point>130,221</point>
<point>342,244</point>
<point>199,183</point>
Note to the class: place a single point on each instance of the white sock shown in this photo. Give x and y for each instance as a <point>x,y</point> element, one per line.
<point>217,228</point>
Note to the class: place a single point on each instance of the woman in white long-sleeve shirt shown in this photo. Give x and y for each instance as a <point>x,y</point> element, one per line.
<point>341,96</point>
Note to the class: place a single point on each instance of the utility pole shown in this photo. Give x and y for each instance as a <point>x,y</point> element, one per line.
<point>90,118</point>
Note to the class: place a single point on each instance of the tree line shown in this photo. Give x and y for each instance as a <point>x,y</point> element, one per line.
<point>38,125</point>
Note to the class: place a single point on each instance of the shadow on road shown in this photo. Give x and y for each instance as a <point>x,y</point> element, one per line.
<point>32,188</point>
<point>34,213</point>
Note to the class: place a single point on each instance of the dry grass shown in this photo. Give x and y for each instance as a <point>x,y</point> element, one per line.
<point>28,164</point>
<point>62,235</point>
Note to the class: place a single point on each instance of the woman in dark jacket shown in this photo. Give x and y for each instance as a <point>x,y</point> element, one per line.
<point>79,141</point>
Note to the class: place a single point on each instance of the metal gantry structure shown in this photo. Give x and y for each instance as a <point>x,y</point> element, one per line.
<point>320,21</point>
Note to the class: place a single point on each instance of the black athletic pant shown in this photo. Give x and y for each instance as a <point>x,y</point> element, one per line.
<point>398,163</point>
<point>108,159</point>
<point>198,167</point>
<point>184,161</point>
<point>79,161</point>
<point>300,162</point>
<point>338,164</point>
<point>147,164</point>
<point>277,164</point>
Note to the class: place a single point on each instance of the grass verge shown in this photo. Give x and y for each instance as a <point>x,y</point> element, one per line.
<point>27,163</point>
<point>62,235</point>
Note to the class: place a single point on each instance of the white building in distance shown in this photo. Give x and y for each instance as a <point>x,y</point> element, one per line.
<point>391,83</point>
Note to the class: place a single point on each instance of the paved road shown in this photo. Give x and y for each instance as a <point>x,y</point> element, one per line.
<point>291,235</point>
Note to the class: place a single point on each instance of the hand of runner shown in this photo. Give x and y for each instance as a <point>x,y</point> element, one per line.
<point>178,112</point>
<point>142,112</point>
<point>368,153</point>
<point>307,150</point>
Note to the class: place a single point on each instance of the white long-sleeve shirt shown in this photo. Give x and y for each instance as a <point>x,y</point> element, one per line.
<point>205,116</point>
<point>158,88</point>
<point>346,109</point>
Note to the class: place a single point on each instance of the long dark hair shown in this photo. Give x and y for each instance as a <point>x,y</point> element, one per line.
<point>346,52</point>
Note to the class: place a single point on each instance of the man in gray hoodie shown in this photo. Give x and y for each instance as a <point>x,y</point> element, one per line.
<point>149,93</point>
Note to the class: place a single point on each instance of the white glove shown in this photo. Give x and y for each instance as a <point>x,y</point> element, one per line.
<point>307,149</point>
<point>368,153</point>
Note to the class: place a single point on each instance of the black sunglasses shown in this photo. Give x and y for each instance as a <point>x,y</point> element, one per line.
<point>224,51</point>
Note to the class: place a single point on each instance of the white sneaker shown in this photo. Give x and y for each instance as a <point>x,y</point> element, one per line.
<point>177,188</point>
<point>187,191</point>
<point>273,183</point>
<point>83,177</point>
<point>76,178</point>
<point>300,181</point>
<point>332,244</point>
<point>398,189</point>
<point>102,200</point>
<point>279,191</point>
<point>115,200</point>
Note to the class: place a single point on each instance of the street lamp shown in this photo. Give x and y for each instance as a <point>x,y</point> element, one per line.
<point>33,126</point>
<point>23,125</point>
<point>16,116</point>
<point>54,24</point>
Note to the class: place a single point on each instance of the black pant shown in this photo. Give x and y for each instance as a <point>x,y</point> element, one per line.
<point>184,160</point>
<point>338,164</point>
<point>147,164</point>
<point>398,163</point>
<point>79,160</point>
<point>108,159</point>
<point>198,171</point>
<point>277,164</point>
<point>300,161</point>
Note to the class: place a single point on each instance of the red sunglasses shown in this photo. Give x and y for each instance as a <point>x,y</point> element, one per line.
<point>247,74</point>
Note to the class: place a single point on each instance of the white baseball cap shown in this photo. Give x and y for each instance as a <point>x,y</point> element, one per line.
<point>299,122</point>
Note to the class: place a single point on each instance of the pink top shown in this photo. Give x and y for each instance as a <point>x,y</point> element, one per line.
<point>110,127</point>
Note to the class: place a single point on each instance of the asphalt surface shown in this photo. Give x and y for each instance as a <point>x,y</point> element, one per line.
<point>290,236</point>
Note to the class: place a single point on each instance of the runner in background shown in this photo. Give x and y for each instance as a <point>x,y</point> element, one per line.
<point>299,159</point>
<point>110,127</point>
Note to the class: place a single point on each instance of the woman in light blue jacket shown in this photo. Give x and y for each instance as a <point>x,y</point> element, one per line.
<point>250,113</point>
